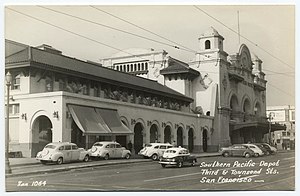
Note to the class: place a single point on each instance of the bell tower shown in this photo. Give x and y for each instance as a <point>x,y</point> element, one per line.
<point>211,46</point>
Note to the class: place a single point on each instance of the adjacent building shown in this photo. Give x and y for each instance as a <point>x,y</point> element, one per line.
<point>283,115</point>
<point>137,95</point>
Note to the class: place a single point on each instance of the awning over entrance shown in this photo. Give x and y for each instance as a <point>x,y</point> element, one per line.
<point>112,119</point>
<point>96,121</point>
<point>264,125</point>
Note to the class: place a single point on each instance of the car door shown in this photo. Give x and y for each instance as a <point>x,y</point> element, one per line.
<point>75,153</point>
<point>118,151</point>
<point>112,150</point>
<point>183,156</point>
<point>67,153</point>
<point>236,150</point>
<point>161,150</point>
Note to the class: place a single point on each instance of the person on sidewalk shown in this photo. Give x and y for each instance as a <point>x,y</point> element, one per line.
<point>174,143</point>
<point>129,146</point>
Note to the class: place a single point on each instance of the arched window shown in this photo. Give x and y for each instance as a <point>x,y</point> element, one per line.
<point>127,68</point>
<point>139,67</point>
<point>146,66</point>
<point>124,68</point>
<point>131,67</point>
<point>207,44</point>
<point>135,67</point>
<point>120,68</point>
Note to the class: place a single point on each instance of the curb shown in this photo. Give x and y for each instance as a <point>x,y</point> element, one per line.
<point>67,168</point>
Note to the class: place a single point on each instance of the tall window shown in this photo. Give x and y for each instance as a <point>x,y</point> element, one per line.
<point>16,82</point>
<point>207,44</point>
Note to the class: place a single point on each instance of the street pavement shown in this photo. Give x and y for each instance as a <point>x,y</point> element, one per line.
<point>274,172</point>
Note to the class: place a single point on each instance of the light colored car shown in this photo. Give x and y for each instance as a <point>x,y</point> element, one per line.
<point>108,150</point>
<point>61,152</point>
<point>154,150</point>
<point>237,150</point>
<point>177,157</point>
<point>257,151</point>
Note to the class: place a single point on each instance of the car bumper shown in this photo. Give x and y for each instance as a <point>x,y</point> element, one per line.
<point>168,162</point>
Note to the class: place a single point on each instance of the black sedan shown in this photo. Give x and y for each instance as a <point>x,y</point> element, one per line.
<point>177,157</point>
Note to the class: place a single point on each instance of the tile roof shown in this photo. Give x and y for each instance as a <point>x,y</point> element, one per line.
<point>42,59</point>
<point>176,66</point>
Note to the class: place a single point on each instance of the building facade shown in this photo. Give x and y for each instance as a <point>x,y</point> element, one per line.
<point>136,95</point>
<point>284,115</point>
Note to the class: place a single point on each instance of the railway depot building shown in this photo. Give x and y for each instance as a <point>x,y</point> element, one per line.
<point>138,95</point>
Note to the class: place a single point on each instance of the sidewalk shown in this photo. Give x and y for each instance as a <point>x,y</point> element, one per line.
<point>17,164</point>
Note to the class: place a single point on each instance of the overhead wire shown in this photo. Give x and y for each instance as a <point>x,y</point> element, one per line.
<point>137,26</point>
<point>269,53</point>
<point>113,28</point>
<point>71,32</point>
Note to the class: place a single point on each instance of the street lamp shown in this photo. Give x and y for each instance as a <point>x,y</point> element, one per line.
<point>8,80</point>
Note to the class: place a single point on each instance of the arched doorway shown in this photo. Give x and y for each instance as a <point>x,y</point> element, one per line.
<point>204,140</point>
<point>233,106</point>
<point>41,134</point>
<point>138,137</point>
<point>153,133</point>
<point>191,140</point>
<point>167,134</point>
<point>179,136</point>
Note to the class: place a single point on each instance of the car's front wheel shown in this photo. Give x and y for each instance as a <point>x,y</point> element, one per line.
<point>247,155</point>
<point>106,157</point>
<point>59,161</point>
<point>179,164</point>
<point>226,154</point>
<point>86,158</point>
<point>127,156</point>
<point>154,157</point>
<point>193,162</point>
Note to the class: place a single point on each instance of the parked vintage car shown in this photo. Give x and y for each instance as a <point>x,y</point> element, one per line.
<point>263,148</point>
<point>177,157</point>
<point>154,150</point>
<point>271,149</point>
<point>257,151</point>
<point>109,149</point>
<point>62,152</point>
<point>237,150</point>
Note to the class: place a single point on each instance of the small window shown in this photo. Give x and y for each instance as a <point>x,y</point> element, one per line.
<point>283,133</point>
<point>118,146</point>
<point>288,133</point>
<point>146,66</point>
<point>74,147</point>
<point>163,147</point>
<point>61,148</point>
<point>16,82</point>
<point>169,146</point>
<point>107,146</point>
<point>156,147</point>
<point>68,147</point>
<point>112,145</point>
<point>207,44</point>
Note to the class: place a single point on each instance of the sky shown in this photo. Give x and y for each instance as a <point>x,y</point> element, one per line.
<point>269,29</point>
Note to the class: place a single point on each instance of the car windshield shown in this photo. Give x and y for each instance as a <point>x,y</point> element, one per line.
<point>148,145</point>
<point>170,151</point>
<point>98,144</point>
<point>50,146</point>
